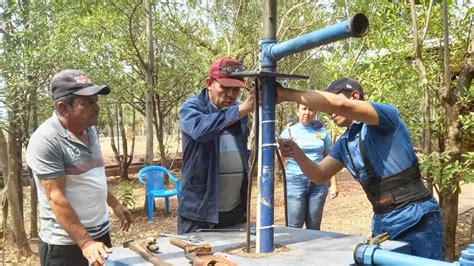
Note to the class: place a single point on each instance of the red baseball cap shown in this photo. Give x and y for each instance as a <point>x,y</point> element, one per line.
<point>221,70</point>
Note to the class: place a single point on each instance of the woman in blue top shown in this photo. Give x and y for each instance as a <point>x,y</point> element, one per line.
<point>305,198</point>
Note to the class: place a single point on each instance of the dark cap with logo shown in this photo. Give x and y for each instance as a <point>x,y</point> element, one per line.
<point>345,84</point>
<point>75,82</point>
<point>221,71</point>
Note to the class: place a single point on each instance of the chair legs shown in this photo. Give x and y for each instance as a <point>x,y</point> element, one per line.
<point>150,207</point>
<point>167,204</point>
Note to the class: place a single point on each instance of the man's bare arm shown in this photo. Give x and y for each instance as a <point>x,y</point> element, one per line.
<point>318,173</point>
<point>247,106</point>
<point>333,189</point>
<point>124,215</point>
<point>55,190</point>
<point>331,103</point>
<point>65,214</point>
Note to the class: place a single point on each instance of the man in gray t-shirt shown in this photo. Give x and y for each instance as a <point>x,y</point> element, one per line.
<point>66,160</point>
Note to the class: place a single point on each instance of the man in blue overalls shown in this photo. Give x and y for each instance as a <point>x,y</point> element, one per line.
<point>377,150</point>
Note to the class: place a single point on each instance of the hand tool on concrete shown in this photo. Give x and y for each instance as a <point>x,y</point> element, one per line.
<point>200,255</point>
<point>192,239</point>
<point>376,240</point>
<point>192,249</point>
<point>224,230</point>
<point>211,260</point>
<point>147,249</point>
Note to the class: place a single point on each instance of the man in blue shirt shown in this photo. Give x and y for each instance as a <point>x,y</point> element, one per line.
<point>377,150</point>
<point>215,156</point>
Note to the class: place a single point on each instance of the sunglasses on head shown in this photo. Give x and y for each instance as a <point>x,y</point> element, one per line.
<point>231,68</point>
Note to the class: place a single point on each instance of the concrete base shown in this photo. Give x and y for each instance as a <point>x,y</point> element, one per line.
<point>306,247</point>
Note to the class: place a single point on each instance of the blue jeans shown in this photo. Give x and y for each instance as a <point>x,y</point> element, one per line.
<point>305,202</point>
<point>426,237</point>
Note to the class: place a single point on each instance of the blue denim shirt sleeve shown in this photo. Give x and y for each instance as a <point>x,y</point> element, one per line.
<point>204,126</point>
<point>336,150</point>
<point>389,118</point>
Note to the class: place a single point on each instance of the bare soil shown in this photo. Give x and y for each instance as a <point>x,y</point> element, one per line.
<point>350,213</point>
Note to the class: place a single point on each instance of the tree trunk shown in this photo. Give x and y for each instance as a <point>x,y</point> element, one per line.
<point>427,149</point>
<point>33,189</point>
<point>453,133</point>
<point>159,119</point>
<point>132,148</point>
<point>13,182</point>
<point>449,212</point>
<point>33,207</point>
<point>113,146</point>
<point>126,159</point>
<point>13,185</point>
<point>123,160</point>
<point>158,123</point>
<point>453,146</point>
<point>149,70</point>
<point>4,159</point>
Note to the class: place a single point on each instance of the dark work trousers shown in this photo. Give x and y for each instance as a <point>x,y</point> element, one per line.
<point>66,255</point>
<point>226,219</point>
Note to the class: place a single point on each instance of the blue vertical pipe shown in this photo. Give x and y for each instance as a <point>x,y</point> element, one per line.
<point>265,208</point>
<point>267,177</point>
<point>271,52</point>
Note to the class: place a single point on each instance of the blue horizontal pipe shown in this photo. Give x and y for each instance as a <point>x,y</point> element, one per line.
<point>373,255</point>
<point>356,26</point>
<point>385,257</point>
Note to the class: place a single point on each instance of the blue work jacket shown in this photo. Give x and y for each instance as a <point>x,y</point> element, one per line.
<point>202,124</point>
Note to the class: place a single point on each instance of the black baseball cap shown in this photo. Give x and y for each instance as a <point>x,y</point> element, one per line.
<point>71,81</point>
<point>345,84</point>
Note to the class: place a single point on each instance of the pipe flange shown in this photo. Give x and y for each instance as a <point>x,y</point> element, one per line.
<point>369,254</point>
<point>467,256</point>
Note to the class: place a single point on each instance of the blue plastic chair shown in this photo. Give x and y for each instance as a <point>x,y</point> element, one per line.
<point>152,177</point>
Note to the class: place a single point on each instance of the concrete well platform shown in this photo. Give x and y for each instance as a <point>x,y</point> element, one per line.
<point>306,247</point>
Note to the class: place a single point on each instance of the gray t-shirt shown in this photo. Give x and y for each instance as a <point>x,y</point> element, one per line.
<point>52,153</point>
<point>231,173</point>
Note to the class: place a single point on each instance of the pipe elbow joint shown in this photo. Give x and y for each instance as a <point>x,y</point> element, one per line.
<point>268,59</point>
